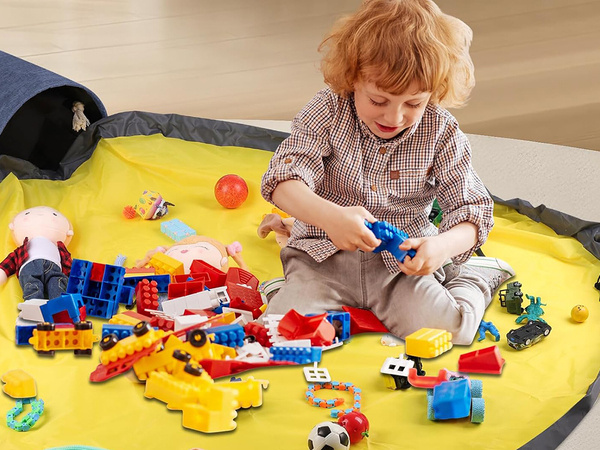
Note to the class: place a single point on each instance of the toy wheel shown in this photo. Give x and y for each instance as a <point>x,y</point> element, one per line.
<point>80,352</point>
<point>181,355</point>
<point>546,332</point>
<point>109,341</point>
<point>430,411</point>
<point>86,325</point>
<point>250,338</point>
<point>477,410</point>
<point>45,326</point>
<point>197,338</point>
<point>528,342</point>
<point>193,369</point>
<point>401,382</point>
<point>476,388</point>
<point>141,328</point>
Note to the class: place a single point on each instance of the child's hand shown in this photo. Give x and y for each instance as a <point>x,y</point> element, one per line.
<point>346,228</point>
<point>431,254</point>
<point>3,277</point>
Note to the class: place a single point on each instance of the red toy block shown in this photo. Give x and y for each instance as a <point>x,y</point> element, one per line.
<point>138,270</point>
<point>146,295</point>
<point>191,277</point>
<point>364,321</point>
<point>241,276</point>
<point>216,277</point>
<point>97,273</point>
<point>294,325</point>
<point>199,312</point>
<point>486,360</point>
<point>142,317</point>
<point>166,324</point>
<point>63,316</point>
<point>245,298</point>
<point>217,368</point>
<point>259,332</point>
<point>185,288</point>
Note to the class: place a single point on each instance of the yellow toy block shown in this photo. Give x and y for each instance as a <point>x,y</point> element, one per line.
<point>176,392</point>
<point>79,337</point>
<point>19,384</point>
<point>428,342</point>
<point>123,319</point>
<point>163,360</point>
<point>130,345</point>
<point>164,264</point>
<point>200,418</point>
<point>249,391</point>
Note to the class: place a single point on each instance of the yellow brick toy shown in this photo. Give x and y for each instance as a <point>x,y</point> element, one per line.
<point>428,342</point>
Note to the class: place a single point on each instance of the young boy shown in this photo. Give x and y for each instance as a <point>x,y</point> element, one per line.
<point>377,145</point>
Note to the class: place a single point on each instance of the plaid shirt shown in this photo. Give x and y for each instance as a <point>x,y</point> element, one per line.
<point>13,262</point>
<point>341,160</point>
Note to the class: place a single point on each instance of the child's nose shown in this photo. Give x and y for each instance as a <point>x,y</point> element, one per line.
<point>394,117</point>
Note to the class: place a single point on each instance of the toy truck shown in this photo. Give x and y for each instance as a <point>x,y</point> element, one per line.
<point>512,298</point>
<point>456,399</point>
<point>48,337</point>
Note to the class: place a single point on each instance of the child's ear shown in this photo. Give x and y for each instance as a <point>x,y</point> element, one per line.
<point>70,233</point>
<point>224,261</point>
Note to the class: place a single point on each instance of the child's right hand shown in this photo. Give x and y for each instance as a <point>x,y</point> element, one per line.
<point>345,226</point>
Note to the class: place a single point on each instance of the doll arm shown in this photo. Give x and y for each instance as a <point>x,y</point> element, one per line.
<point>8,267</point>
<point>235,251</point>
<point>65,258</point>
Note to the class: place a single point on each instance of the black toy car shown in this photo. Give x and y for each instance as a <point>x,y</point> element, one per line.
<point>529,334</point>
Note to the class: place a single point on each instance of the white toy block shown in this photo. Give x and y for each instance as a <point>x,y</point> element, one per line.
<point>397,366</point>
<point>316,375</point>
<point>30,310</point>
<point>198,300</point>
<point>182,322</point>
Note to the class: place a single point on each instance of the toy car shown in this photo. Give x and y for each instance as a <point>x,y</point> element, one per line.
<point>397,369</point>
<point>512,298</point>
<point>455,399</point>
<point>529,334</point>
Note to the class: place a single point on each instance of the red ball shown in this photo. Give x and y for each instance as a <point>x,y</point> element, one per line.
<point>356,424</point>
<point>231,191</point>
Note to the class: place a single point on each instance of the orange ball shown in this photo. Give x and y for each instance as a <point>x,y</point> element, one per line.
<point>231,191</point>
<point>579,313</point>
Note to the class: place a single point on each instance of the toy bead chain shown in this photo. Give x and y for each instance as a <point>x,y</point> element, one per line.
<point>337,401</point>
<point>25,424</point>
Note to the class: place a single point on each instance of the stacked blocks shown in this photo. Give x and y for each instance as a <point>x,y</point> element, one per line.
<point>146,295</point>
<point>299,355</point>
<point>100,286</point>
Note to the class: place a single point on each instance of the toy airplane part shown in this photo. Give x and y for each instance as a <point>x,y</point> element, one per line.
<point>391,239</point>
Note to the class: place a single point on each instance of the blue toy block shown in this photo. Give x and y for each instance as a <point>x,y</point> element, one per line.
<point>391,238</point>
<point>97,307</point>
<point>121,331</point>
<point>126,295</point>
<point>23,332</point>
<point>299,355</point>
<point>344,319</point>
<point>66,302</point>
<point>229,335</point>
<point>176,229</point>
<point>79,277</point>
<point>452,400</point>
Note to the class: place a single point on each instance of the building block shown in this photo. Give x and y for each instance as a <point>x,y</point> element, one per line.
<point>235,275</point>
<point>176,229</point>
<point>391,239</point>
<point>162,281</point>
<point>456,399</point>
<point>132,318</point>
<point>186,321</point>
<point>66,302</point>
<point>30,310</point>
<point>298,355</point>
<point>364,321</point>
<point>428,342</point>
<point>18,384</point>
<point>146,295</point>
<point>259,332</point>
<point>245,298</point>
<point>48,337</point>
<point>216,277</point>
<point>229,335</point>
<point>121,331</point>
<point>24,331</point>
<point>182,289</point>
<point>199,300</point>
<point>486,360</point>
<point>164,264</point>
<point>294,325</point>
<point>341,323</point>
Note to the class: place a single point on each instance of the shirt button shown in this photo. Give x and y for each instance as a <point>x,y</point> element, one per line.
<point>287,160</point>
<point>382,150</point>
<point>373,187</point>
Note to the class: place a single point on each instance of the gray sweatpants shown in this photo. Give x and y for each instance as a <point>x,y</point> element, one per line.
<point>403,303</point>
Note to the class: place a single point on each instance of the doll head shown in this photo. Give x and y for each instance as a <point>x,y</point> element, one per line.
<point>203,248</point>
<point>41,221</point>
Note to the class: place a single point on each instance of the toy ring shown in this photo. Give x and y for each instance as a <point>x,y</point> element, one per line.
<point>25,424</point>
<point>337,401</point>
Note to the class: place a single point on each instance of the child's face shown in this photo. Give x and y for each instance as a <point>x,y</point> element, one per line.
<point>385,114</point>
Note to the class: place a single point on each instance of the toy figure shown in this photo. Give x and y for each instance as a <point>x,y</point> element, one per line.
<point>202,248</point>
<point>281,226</point>
<point>488,326</point>
<point>41,262</point>
<point>533,311</point>
<point>150,206</point>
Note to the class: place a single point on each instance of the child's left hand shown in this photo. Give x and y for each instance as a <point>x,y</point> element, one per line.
<point>431,254</point>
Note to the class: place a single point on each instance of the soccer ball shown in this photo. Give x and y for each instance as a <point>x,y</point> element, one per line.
<point>328,436</point>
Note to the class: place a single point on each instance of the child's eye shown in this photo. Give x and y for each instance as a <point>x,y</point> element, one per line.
<point>376,103</point>
<point>414,106</point>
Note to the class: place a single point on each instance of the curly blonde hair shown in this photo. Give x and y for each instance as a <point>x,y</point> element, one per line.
<point>395,42</point>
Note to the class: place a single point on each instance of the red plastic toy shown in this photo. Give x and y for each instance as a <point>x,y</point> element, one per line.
<point>294,325</point>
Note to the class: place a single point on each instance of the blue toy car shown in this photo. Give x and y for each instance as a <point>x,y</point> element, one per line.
<point>456,399</point>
